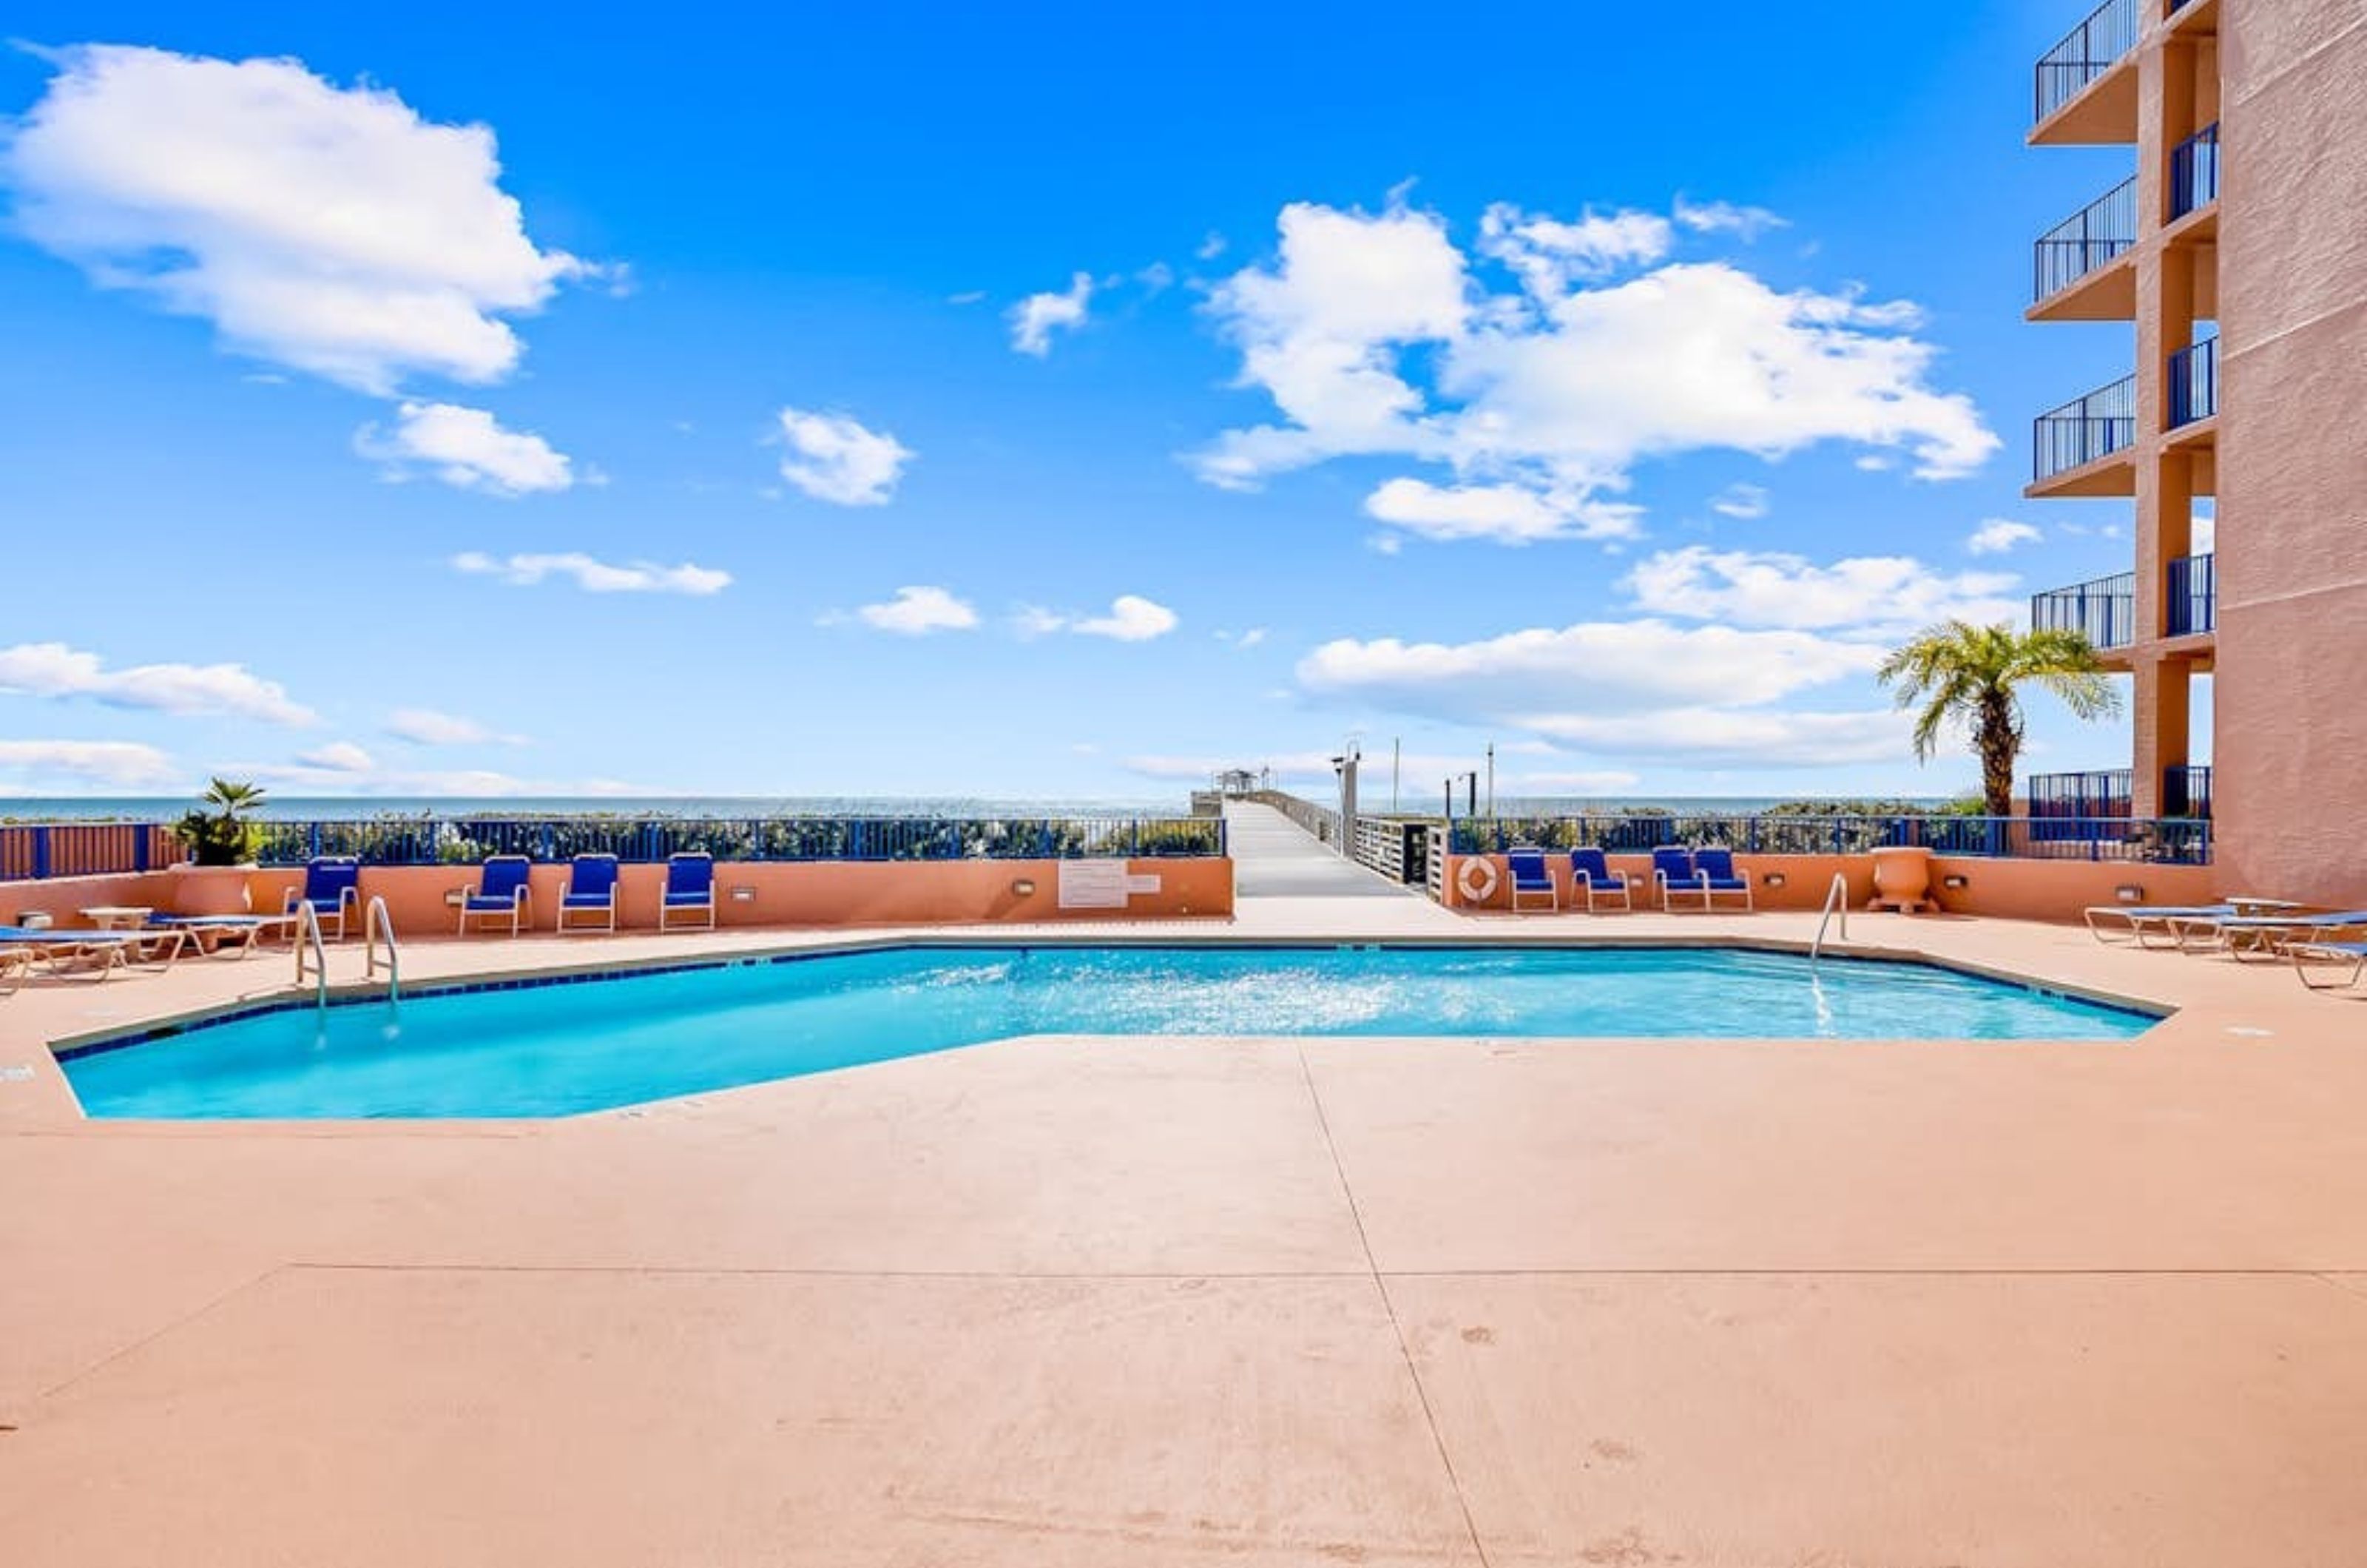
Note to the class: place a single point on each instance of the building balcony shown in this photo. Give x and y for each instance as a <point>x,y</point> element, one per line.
<point>2105,611</point>
<point>2082,269</point>
<point>2186,792</point>
<point>2191,608</point>
<point>2104,792</point>
<point>2087,85</point>
<point>2194,383</point>
<point>2194,172</point>
<point>2080,448</point>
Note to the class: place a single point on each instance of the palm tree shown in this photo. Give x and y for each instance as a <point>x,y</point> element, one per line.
<point>1974,675</point>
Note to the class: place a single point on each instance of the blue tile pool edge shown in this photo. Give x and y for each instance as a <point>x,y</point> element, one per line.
<point>190,1023</point>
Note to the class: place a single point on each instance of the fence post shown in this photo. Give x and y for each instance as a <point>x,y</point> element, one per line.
<point>139,847</point>
<point>41,854</point>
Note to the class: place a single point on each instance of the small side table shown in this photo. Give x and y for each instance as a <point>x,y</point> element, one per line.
<point>117,917</point>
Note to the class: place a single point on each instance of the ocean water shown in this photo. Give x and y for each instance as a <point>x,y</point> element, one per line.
<point>561,1049</point>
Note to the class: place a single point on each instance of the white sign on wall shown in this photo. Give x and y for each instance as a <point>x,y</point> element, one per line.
<point>1092,884</point>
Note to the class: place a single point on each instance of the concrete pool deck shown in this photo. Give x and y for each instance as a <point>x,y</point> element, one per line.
<point>1062,1301</point>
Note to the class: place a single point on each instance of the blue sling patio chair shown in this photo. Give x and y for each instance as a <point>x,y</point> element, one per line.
<point>500,894</point>
<point>588,901</point>
<point>1589,872</point>
<point>1719,879</point>
<point>689,890</point>
<point>333,890</point>
<point>1531,879</point>
<point>1674,877</point>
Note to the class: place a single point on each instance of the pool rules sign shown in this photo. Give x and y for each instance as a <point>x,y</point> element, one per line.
<point>1100,885</point>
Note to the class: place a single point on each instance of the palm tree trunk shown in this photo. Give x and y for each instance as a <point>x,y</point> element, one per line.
<point>2000,744</point>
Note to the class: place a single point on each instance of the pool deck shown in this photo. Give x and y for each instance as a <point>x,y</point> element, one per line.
<point>1070,1302</point>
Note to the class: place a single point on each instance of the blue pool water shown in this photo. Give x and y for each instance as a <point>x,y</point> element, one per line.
<point>557,1050</point>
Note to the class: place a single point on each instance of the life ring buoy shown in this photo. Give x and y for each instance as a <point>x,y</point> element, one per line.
<point>1475,878</point>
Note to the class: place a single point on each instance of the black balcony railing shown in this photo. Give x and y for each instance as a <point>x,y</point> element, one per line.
<point>2104,610</point>
<point>2098,234</point>
<point>2092,48</point>
<point>2194,172</point>
<point>2079,797</point>
<point>2084,430</point>
<point>2186,792</point>
<point>2192,605</point>
<point>2194,383</point>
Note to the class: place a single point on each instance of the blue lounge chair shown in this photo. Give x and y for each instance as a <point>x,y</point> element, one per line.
<point>333,890</point>
<point>114,950</point>
<point>591,890</point>
<point>1673,877</point>
<point>1590,871</point>
<point>2141,918</point>
<point>689,889</point>
<point>2259,935</point>
<point>1719,879</point>
<point>500,894</point>
<point>220,929</point>
<point>1531,879</point>
<point>2351,953</point>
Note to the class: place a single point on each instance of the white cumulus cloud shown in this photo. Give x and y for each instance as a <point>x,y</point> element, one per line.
<point>919,609</point>
<point>1376,335</point>
<point>328,229</point>
<point>1999,535</point>
<point>592,575</point>
<point>1744,501</point>
<point>1606,664</point>
<point>426,727</point>
<point>832,458</point>
<point>1131,618</point>
<point>468,449</point>
<point>56,670</point>
<point>121,764</point>
<point>1870,594</point>
<point>1720,738</point>
<point>1507,513</point>
<point>1034,319</point>
<point>338,757</point>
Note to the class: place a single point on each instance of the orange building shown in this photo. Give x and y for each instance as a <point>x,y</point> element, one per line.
<point>2252,295</point>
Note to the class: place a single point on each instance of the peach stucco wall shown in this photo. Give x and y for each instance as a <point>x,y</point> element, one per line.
<point>2290,754</point>
<point>810,894</point>
<point>2016,889</point>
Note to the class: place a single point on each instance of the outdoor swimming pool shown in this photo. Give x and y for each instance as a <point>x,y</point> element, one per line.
<point>554,1050</point>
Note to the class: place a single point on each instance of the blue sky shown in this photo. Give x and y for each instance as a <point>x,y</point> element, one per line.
<point>935,402</point>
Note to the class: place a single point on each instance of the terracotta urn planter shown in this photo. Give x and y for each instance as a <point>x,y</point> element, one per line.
<point>210,889</point>
<point>1902,880</point>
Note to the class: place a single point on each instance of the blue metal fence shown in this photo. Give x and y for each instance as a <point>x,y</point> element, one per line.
<point>33,852</point>
<point>2186,791</point>
<point>2085,429</point>
<point>2098,234</point>
<point>2104,610</point>
<point>2193,603</point>
<point>2194,383</point>
<point>2098,838</point>
<point>463,840</point>
<point>2090,50</point>
<point>2195,171</point>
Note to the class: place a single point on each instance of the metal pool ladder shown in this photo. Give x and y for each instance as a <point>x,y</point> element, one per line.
<point>1835,901</point>
<point>308,941</point>
<point>376,923</point>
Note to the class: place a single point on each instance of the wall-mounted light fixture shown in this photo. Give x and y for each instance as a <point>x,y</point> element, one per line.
<point>2130,893</point>
<point>1022,887</point>
<point>743,893</point>
<point>1771,879</point>
<point>1955,881</point>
